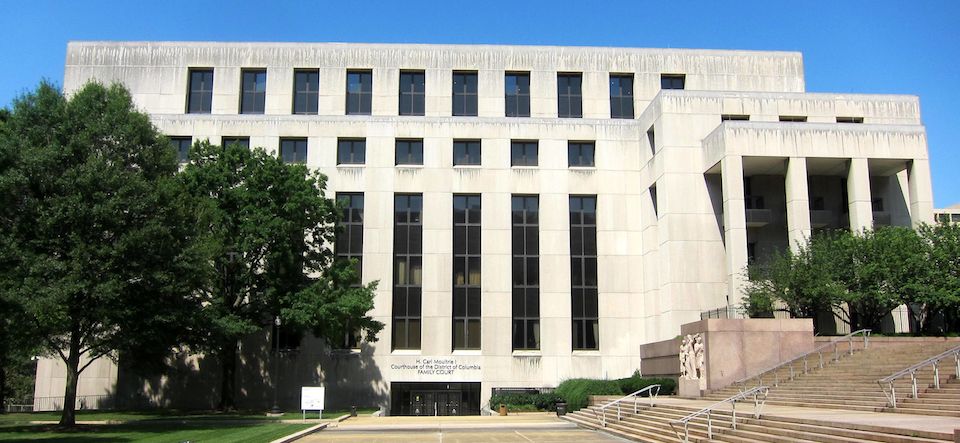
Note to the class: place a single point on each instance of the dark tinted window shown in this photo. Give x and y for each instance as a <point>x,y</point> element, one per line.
<point>182,145</point>
<point>409,152</point>
<point>359,92</point>
<point>407,270</point>
<point>621,95</point>
<point>306,91</point>
<point>351,151</point>
<point>569,95</point>
<point>465,93</point>
<point>849,119</point>
<point>293,150</point>
<point>580,154</point>
<point>466,152</point>
<point>201,91</point>
<point>525,270</point>
<point>517,94</point>
<point>466,272</point>
<point>242,141</point>
<point>672,81</point>
<point>523,153</point>
<point>253,91</point>
<point>793,118</point>
<point>349,240</point>
<point>583,272</point>
<point>734,117</point>
<point>412,90</point>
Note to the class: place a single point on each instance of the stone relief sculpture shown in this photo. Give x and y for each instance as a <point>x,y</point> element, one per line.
<point>692,358</point>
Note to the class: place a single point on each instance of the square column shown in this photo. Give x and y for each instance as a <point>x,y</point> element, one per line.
<point>798,202</point>
<point>734,225</point>
<point>921,193</point>
<point>860,203</point>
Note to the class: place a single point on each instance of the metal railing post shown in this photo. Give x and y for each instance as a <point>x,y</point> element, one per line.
<point>733,406</point>
<point>851,345</point>
<point>709,426</point>
<point>893,395</point>
<point>820,354</point>
<point>913,381</point>
<point>936,375</point>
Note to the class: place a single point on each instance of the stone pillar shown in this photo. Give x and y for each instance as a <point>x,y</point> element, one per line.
<point>798,202</point>
<point>734,224</point>
<point>921,193</point>
<point>860,204</point>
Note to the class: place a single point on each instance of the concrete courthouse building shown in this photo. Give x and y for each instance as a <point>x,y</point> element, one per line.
<point>532,213</point>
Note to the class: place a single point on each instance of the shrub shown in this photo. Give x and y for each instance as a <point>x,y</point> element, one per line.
<point>576,391</point>
<point>524,401</point>
<point>635,383</point>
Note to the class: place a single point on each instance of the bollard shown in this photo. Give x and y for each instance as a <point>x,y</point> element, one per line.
<point>503,409</point>
<point>353,411</point>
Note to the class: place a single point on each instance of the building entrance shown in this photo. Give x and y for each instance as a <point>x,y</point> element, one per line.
<point>431,399</point>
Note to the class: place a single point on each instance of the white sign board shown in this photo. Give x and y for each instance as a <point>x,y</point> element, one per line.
<point>427,368</point>
<point>311,398</point>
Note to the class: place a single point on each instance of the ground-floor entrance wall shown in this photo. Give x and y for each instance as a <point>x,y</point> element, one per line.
<point>434,399</point>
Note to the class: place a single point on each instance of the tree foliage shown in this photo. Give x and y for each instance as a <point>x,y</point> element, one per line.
<point>270,227</point>
<point>97,250</point>
<point>864,275</point>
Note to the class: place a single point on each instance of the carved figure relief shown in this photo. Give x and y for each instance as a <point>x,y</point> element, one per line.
<point>692,358</point>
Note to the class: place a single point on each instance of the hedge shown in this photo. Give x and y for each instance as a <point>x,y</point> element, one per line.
<point>521,400</point>
<point>635,383</point>
<point>576,391</point>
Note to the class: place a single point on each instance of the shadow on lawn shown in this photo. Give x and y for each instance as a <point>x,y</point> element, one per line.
<point>114,433</point>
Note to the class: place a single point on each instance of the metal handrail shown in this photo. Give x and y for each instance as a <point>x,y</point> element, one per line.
<point>601,412</point>
<point>818,350</point>
<point>756,393</point>
<point>912,370</point>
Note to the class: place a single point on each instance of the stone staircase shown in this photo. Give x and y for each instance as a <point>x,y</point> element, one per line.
<point>851,383</point>
<point>652,424</point>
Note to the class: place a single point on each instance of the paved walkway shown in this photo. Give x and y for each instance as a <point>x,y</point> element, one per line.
<point>536,420</point>
<point>945,425</point>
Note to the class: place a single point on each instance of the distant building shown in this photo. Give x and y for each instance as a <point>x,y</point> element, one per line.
<point>948,215</point>
<point>532,213</point>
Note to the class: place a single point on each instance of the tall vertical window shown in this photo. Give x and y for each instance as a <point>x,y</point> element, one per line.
<point>201,91</point>
<point>306,91</point>
<point>517,94</point>
<point>359,92</point>
<point>407,270</point>
<point>349,246</point>
<point>182,145</point>
<point>580,154</point>
<point>253,91</point>
<point>621,95</point>
<point>526,271</point>
<point>351,151</point>
<point>412,91</point>
<point>523,153</point>
<point>569,95</point>
<point>583,272</point>
<point>466,152</point>
<point>466,272</point>
<point>465,93</point>
<point>242,141</point>
<point>293,150</point>
<point>409,152</point>
<point>672,81</point>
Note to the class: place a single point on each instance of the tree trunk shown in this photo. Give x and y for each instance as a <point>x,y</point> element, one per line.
<point>228,366</point>
<point>3,385</point>
<point>69,417</point>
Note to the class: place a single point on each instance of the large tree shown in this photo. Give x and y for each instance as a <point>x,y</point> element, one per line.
<point>96,245</point>
<point>271,228</point>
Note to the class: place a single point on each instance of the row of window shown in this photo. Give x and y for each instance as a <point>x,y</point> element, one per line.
<point>788,118</point>
<point>407,300</point>
<point>412,92</point>
<point>352,151</point>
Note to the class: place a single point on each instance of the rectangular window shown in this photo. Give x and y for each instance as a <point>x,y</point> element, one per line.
<point>349,247</point>
<point>466,152</point>
<point>351,151</point>
<point>407,270</point>
<point>569,95</point>
<point>412,92</point>
<point>253,91</point>
<point>793,118</point>
<point>580,154</point>
<point>306,91</point>
<point>849,119</point>
<point>517,94</point>
<point>242,141</point>
<point>293,150</point>
<point>525,266</point>
<point>359,92</point>
<point>465,93</point>
<point>409,152</point>
<point>201,91</point>
<point>466,272</point>
<point>523,153</point>
<point>182,145</point>
<point>621,95</point>
<point>583,272</point>
<point>734,117</point>
<point>672,81</point>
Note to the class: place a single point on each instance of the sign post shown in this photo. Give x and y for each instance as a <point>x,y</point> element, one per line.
<point>311,399</point>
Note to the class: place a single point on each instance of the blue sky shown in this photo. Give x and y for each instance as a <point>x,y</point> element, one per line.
<point>848,46</point>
